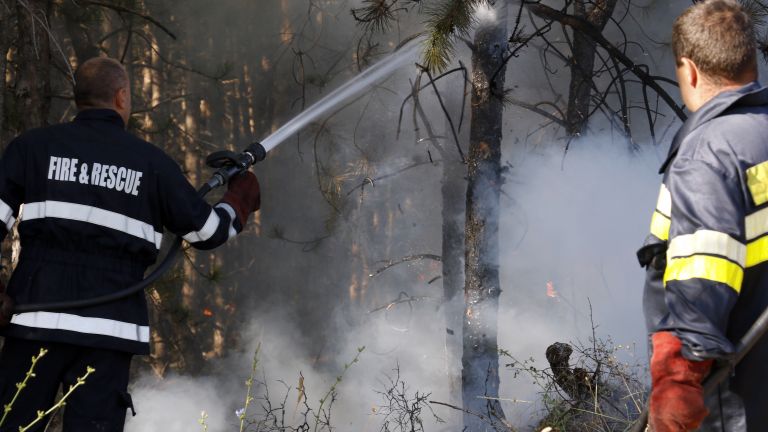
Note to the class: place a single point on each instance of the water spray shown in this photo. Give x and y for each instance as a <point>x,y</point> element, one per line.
<point>230,164</point>
<point>370,76</point>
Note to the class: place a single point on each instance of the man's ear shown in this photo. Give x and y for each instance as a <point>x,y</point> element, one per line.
<point>122,99</point>
<point>690,72</point>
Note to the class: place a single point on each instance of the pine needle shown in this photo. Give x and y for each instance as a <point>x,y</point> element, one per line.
<point>446,22</point>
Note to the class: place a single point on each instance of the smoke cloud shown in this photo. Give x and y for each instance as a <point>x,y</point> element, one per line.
<point>570,225</point>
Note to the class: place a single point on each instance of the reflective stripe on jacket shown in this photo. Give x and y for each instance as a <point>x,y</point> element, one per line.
<point>712,213</point>
<point>95,202</point>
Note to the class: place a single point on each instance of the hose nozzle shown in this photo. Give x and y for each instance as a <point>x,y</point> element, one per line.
<point>230,164</point>
<point>257,151</point>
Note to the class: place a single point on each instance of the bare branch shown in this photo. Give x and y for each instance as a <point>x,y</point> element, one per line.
<point>391,263</point>
<point>583,26</point>
<point>118,8</point>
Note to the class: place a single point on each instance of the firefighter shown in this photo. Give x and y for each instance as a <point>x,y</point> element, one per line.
<point>707,255</point>
<point>96,200</point>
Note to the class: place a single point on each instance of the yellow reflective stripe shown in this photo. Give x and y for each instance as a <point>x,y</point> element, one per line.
<point>660,226</point>
<point>705,267</point>
<point>708,242</point>
<point>756,224</point>
<point>757,181</point>
<point>664,204</point>
<point>757,252</point>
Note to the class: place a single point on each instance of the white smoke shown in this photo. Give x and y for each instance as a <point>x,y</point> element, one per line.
<point>573,221</point>
<point>486,14</point>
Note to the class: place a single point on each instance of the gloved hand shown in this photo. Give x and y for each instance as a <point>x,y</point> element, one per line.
<point>677,398</point>
<point>243,195</point>
<point>6,307</point>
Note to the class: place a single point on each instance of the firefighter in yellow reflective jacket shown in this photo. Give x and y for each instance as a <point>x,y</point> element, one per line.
<point>707,255</point>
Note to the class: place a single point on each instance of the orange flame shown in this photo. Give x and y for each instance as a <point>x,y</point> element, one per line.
<point>551,292</point>
<point>207,312</point>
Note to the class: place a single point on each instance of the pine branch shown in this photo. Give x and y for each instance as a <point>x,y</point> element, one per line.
<point>449,20</point>
<point>376,16</point>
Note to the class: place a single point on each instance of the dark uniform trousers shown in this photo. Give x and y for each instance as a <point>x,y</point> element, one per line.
<point>96,202</point>
<point>99,405</point>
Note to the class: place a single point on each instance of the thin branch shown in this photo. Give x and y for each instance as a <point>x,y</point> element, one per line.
<point>373,181</point>
<point>535,108</point>
<point>46,26</point>
<point>391,263</point>
<point>581,25</point>
<point>462,68</point>
<point>118,8</point>
<point>445,111</point>
<point>161,102</point>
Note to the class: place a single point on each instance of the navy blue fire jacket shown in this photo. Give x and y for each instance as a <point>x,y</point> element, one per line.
<point>92,202</point>
<point>707,255</point>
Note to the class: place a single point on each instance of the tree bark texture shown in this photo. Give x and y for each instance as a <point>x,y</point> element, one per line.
<point>583,61</point>
<point>77,19</point>
<point>452,189</point>
<point>7,20</point>
<point>480,359</point>
<point>33,86</point>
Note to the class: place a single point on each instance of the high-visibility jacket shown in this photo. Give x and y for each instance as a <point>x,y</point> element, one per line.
<point>707,255</point>
<point>92,202</point>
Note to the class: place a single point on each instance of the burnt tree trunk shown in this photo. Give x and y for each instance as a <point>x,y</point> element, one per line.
<point>583,61</point>
<point>480,359</point>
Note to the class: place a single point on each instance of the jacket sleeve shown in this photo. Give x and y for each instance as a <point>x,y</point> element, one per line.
<point>188,215</point>
<point>706,256</point>
<point>11,185</point>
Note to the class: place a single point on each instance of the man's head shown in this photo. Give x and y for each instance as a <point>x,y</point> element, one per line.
<point>102,82</point>
<point>715,50</point>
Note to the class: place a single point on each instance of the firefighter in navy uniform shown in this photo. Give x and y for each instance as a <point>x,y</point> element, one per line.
<point>96,200</point>
<point>707,255</point>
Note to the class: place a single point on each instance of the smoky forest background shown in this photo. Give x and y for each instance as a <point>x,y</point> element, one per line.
<point>450,250</point>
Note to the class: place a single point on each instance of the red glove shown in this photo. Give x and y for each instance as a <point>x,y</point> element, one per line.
<point>6,307</point>
<point>677,398</point>
<point>243,195</point>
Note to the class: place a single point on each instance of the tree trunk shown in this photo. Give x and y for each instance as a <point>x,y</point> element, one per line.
<point>452,189</point>
<point>480,359</point>
<point>6,20</point>
<point>77,18</point>
<point>582,63</point>
<point>33,88</point>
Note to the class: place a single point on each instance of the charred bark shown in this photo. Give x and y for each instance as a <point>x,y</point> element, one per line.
<point>480,359</point>
<point>583,61</point>
<point>577,383</point>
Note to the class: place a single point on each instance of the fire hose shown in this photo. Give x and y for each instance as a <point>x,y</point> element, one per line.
<point>228,165</point>
<point>722,372</point>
